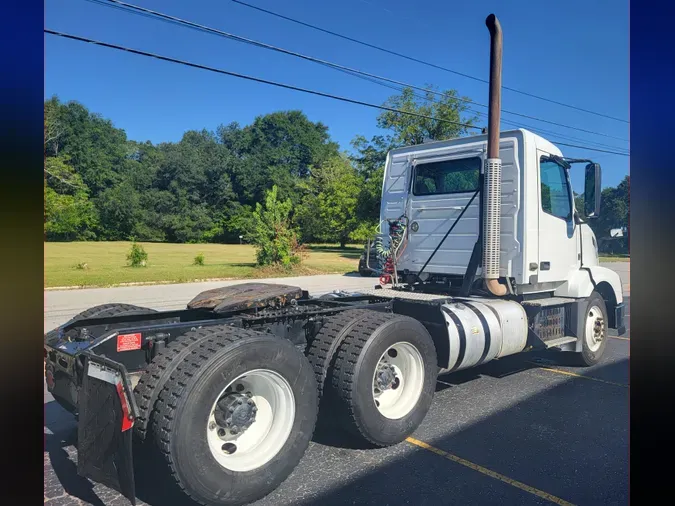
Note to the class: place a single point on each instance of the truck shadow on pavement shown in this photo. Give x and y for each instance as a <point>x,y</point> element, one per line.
<point>556,434</point>
<point>563,435</point>
<point>64,478</point>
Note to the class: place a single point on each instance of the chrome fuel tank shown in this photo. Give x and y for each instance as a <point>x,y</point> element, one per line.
<point>480,330</point>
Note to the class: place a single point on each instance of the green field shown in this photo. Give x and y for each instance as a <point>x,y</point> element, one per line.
<point>106,263</point>
<point>614,258</point>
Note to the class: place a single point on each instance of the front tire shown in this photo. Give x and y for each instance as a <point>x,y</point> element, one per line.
<point>199,407</point>
<point>594,339</point>
<point>384,378</point>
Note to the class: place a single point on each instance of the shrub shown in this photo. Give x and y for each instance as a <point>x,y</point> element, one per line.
<point>137,256</point>
<point>199,259</point>
<point>272,235</point>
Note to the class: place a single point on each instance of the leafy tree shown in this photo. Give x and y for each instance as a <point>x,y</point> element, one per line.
<point>276,149</point>
<point>369,159</point>
<point>370,156</point>
<point>120,211</point>
<point>329,209</point>
<point>69,214</point>
<point>195,180</point>
<point>54,127</point>
<point>364,231</point>
<point>614,213</point>
<point>370,196</point>
<point>94,146</point>
<point>208,186</point>
<point>272,234</point>
<point>409,130</point>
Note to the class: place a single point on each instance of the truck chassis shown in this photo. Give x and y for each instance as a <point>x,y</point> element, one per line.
<point>121,370</point>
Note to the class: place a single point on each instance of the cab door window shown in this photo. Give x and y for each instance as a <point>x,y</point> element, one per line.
<point>555,192</point>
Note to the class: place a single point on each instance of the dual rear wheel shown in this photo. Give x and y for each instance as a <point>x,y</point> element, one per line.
<point>380,382</point>
<point>232,410</point>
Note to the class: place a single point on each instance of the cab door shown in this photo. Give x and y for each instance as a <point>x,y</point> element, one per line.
<point>440,189</point>
<point>558,235</point>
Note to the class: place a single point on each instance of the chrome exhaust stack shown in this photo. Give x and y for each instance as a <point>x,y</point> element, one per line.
<point>493,168</point>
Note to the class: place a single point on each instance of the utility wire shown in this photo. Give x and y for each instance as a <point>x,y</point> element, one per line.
<point>534,129</point>
<point>277,84</point>
<point>159,16</point>
<point>256,79</point>
<point>592,149</point>
<point>417,60</point>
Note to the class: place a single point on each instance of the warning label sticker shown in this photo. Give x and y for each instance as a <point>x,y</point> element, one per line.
<point>128,342</point>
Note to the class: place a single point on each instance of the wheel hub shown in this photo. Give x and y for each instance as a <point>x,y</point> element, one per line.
<point>595,329</point>
<point>236,412</point>
<point>385,378</point>
<point>598,329</point>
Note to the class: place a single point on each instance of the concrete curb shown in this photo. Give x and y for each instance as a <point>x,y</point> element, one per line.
<point>140,283</point>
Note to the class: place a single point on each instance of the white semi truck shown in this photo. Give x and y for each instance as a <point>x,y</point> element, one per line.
<point>482,255</point>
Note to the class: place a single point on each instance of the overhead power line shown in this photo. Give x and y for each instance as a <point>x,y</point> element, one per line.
<point>252,78</point>
<point>592,149</point>
<point>423,62</point>
<point>532,128</point>
<point>274,83</point>
<point>159,16</point>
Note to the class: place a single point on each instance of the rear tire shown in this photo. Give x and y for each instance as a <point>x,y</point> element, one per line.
<point>384,378</point>
<point>101,311</point>
<point>106,310</point>
<point>157,374</point>
<point>321,352</point>
<point>184,419</point>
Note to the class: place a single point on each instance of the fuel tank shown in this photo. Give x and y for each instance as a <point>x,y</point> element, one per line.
<point>480,330</point>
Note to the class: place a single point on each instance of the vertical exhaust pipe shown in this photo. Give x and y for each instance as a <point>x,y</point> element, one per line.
<point>493,169</point>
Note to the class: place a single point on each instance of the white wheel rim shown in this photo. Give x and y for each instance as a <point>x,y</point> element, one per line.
<point>399,399</point>
<point>595,328</point>
<point>263,439</point>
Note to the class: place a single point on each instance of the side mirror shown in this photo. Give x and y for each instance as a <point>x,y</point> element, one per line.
<point>592,191</point>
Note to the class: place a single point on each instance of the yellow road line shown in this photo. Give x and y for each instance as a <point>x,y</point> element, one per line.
<point>490,473</point>
<point>622,338</point>
<point>567,373</point>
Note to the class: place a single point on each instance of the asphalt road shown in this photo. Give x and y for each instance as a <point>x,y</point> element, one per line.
<point>61,305</point>
<point>527,429</point>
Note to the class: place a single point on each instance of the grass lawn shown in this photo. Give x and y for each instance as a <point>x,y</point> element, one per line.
<point>106,263</point>
<point>614,258</point>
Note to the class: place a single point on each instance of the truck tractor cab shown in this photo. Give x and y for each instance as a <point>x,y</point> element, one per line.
<point>546,248</point>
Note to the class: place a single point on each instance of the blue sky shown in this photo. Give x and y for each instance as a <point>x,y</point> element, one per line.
<point>574,52</point>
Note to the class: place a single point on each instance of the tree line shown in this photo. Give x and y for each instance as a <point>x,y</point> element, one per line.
<point>100,185</point>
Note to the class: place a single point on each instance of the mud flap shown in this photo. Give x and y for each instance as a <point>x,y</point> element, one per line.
<point>104,432</point>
